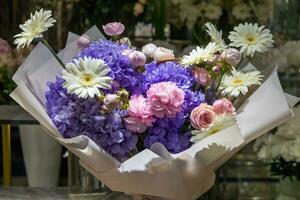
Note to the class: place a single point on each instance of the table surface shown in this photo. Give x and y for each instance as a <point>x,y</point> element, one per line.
<point>57,193</point>
<point>15,115</point>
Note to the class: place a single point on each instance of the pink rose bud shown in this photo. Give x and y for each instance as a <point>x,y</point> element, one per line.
<point>111,101</point>
<point>83,42</point>
<point>137,58</point>
<point>202,116</point>
<point>114,28</point>
<point>201,76</point>
<point>125,40</point>
<point>223,106</point>
<point>149,49</point>
<point>216,69</point>
<point>162,54</point>
<point>231,56</point>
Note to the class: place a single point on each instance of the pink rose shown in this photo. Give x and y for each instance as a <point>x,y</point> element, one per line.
<point>114,28</point>
<point>4,47</point>
<point>223,106</point>
<point>231,56</point>
<point>83,42</point>
<point>140,115</point>
<point>165,99</point>
<point>162,54</point>
<point>137,58</point>
<point>201,76</point>
<point>202,116</point>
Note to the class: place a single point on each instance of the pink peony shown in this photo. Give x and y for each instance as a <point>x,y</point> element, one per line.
<point>231,56</point>
<point>201,76</point>
<point>223,106</point>
<point>202,116</point>
<point>114,28</point>
<point>165,99</point>
<point>137,58</point>
<point>140,115</point>
<point>83,42</point>
<point>4,46</point>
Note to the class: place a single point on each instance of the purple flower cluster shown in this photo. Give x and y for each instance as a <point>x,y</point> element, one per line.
<point>168,71</point>
<point>167,131</point>
<point>75,116</point>
<point>121,69</point>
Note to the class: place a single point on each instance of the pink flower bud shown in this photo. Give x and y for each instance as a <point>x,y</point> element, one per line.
<point>125,40</point>
<point>201,76</point>
<point>111,101</point>
<point>137,58</point>
<point>162,54</point>
<point>149,49</point>
<point>114,28</point>
<point>202,116</point>
<point>223,106</point>
<point>216,69</point>
<point>83,42</point>
<point>231,56</point>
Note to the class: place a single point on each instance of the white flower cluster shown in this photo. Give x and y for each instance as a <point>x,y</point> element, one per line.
<point>285,143</point>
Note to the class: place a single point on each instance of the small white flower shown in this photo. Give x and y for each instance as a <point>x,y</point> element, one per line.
<point>251,38</point>
<point>200,55</point>
<point>86,76</point>
<point>34,27</point>
<point>241,11</point>
<point>239,82</point>
<point>213,11</point>
<point>215,35</point>
<point>220,123</point>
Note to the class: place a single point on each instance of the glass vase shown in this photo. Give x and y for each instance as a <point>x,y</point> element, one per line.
<point>82,184</point>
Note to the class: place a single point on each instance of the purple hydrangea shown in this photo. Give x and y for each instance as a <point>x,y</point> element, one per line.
<point>167,131</point>
<point>121,69</point>
<point>191,100</point>
<point>75,116</point>
<point>168,71</point>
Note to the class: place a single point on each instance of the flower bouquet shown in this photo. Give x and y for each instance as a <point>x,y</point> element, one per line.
<point>145,122</point>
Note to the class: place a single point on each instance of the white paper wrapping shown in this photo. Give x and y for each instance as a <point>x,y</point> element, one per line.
<point>153,171</point>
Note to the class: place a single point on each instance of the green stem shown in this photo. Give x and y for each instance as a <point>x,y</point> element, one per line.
<point>53,52</point>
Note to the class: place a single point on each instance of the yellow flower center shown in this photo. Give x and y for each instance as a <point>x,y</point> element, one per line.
<point>237,82</point>
<point>87,79</point>
<point>250,39</point>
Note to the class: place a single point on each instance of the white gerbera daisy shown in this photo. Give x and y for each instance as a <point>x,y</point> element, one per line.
<point>215,35</point>
<point>34,27</point>
<point>239,82</point>
<point>219,123</point>
<point>86,76</point>
<point>200,55</point>
<point>251,38</point>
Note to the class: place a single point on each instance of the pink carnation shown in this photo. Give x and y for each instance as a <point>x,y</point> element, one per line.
<point>223,106</point>
<point>114,28</point>
<point>140,117</point>
<point>202,116</point>
<point>165,99</point>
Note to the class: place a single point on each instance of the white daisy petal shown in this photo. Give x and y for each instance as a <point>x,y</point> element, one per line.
<point>34,27</point>
<point>251,38</point>
<point>239,82</point>
<point>86,76</point>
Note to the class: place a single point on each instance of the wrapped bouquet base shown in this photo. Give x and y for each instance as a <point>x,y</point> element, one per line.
<point>153,173</point>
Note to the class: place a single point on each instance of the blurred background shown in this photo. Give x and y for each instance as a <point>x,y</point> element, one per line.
<point>256,172</point>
